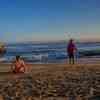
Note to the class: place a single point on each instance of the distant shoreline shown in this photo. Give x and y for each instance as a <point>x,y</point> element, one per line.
<point>83,60</point>
<point>56,41</point>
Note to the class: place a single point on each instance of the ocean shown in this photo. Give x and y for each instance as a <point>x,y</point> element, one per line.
<point>48,52</point>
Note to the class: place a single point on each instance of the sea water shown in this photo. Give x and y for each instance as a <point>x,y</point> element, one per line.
<point>48,52</point>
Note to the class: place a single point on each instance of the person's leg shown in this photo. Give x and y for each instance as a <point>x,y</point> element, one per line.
<point>22,70</point>
<point>73,59</point>
<point>69,59</point>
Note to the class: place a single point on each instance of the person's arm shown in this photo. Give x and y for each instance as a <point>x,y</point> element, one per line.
<point>75,48</point>
<point>24,65</point>
<point>27,67</point>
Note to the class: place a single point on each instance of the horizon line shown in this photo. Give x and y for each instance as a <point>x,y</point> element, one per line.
<point>51,41</point>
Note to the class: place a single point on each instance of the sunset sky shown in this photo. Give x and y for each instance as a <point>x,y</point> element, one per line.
<point>45,20</point>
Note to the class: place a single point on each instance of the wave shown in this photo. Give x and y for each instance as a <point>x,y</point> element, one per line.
<point>61,55</point>
<point>90,53</point>
<point>47,52</point>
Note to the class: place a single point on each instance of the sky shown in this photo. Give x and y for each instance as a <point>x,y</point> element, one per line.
<point>48,20</point>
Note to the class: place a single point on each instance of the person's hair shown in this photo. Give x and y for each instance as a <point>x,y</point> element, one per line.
<point>71,39</point>
<point>17,57</point>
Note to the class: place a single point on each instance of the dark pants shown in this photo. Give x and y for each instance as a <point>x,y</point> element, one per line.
<point>71,58</point>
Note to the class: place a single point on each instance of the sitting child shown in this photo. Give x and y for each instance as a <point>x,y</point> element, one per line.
<point>18,66</point>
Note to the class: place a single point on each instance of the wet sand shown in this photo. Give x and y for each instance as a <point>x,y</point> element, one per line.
<point>51,82</point>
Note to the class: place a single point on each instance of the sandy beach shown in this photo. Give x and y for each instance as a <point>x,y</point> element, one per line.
<point>51,82</point>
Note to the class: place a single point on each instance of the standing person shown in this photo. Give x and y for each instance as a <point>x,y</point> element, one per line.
<point>71,48</point>
<point>18,65</point>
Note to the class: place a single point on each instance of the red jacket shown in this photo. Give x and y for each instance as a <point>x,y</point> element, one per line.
<point>71,48</point>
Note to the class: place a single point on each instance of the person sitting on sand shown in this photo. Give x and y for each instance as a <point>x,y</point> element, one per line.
<point>71,48</point>
<point>18,65</point>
